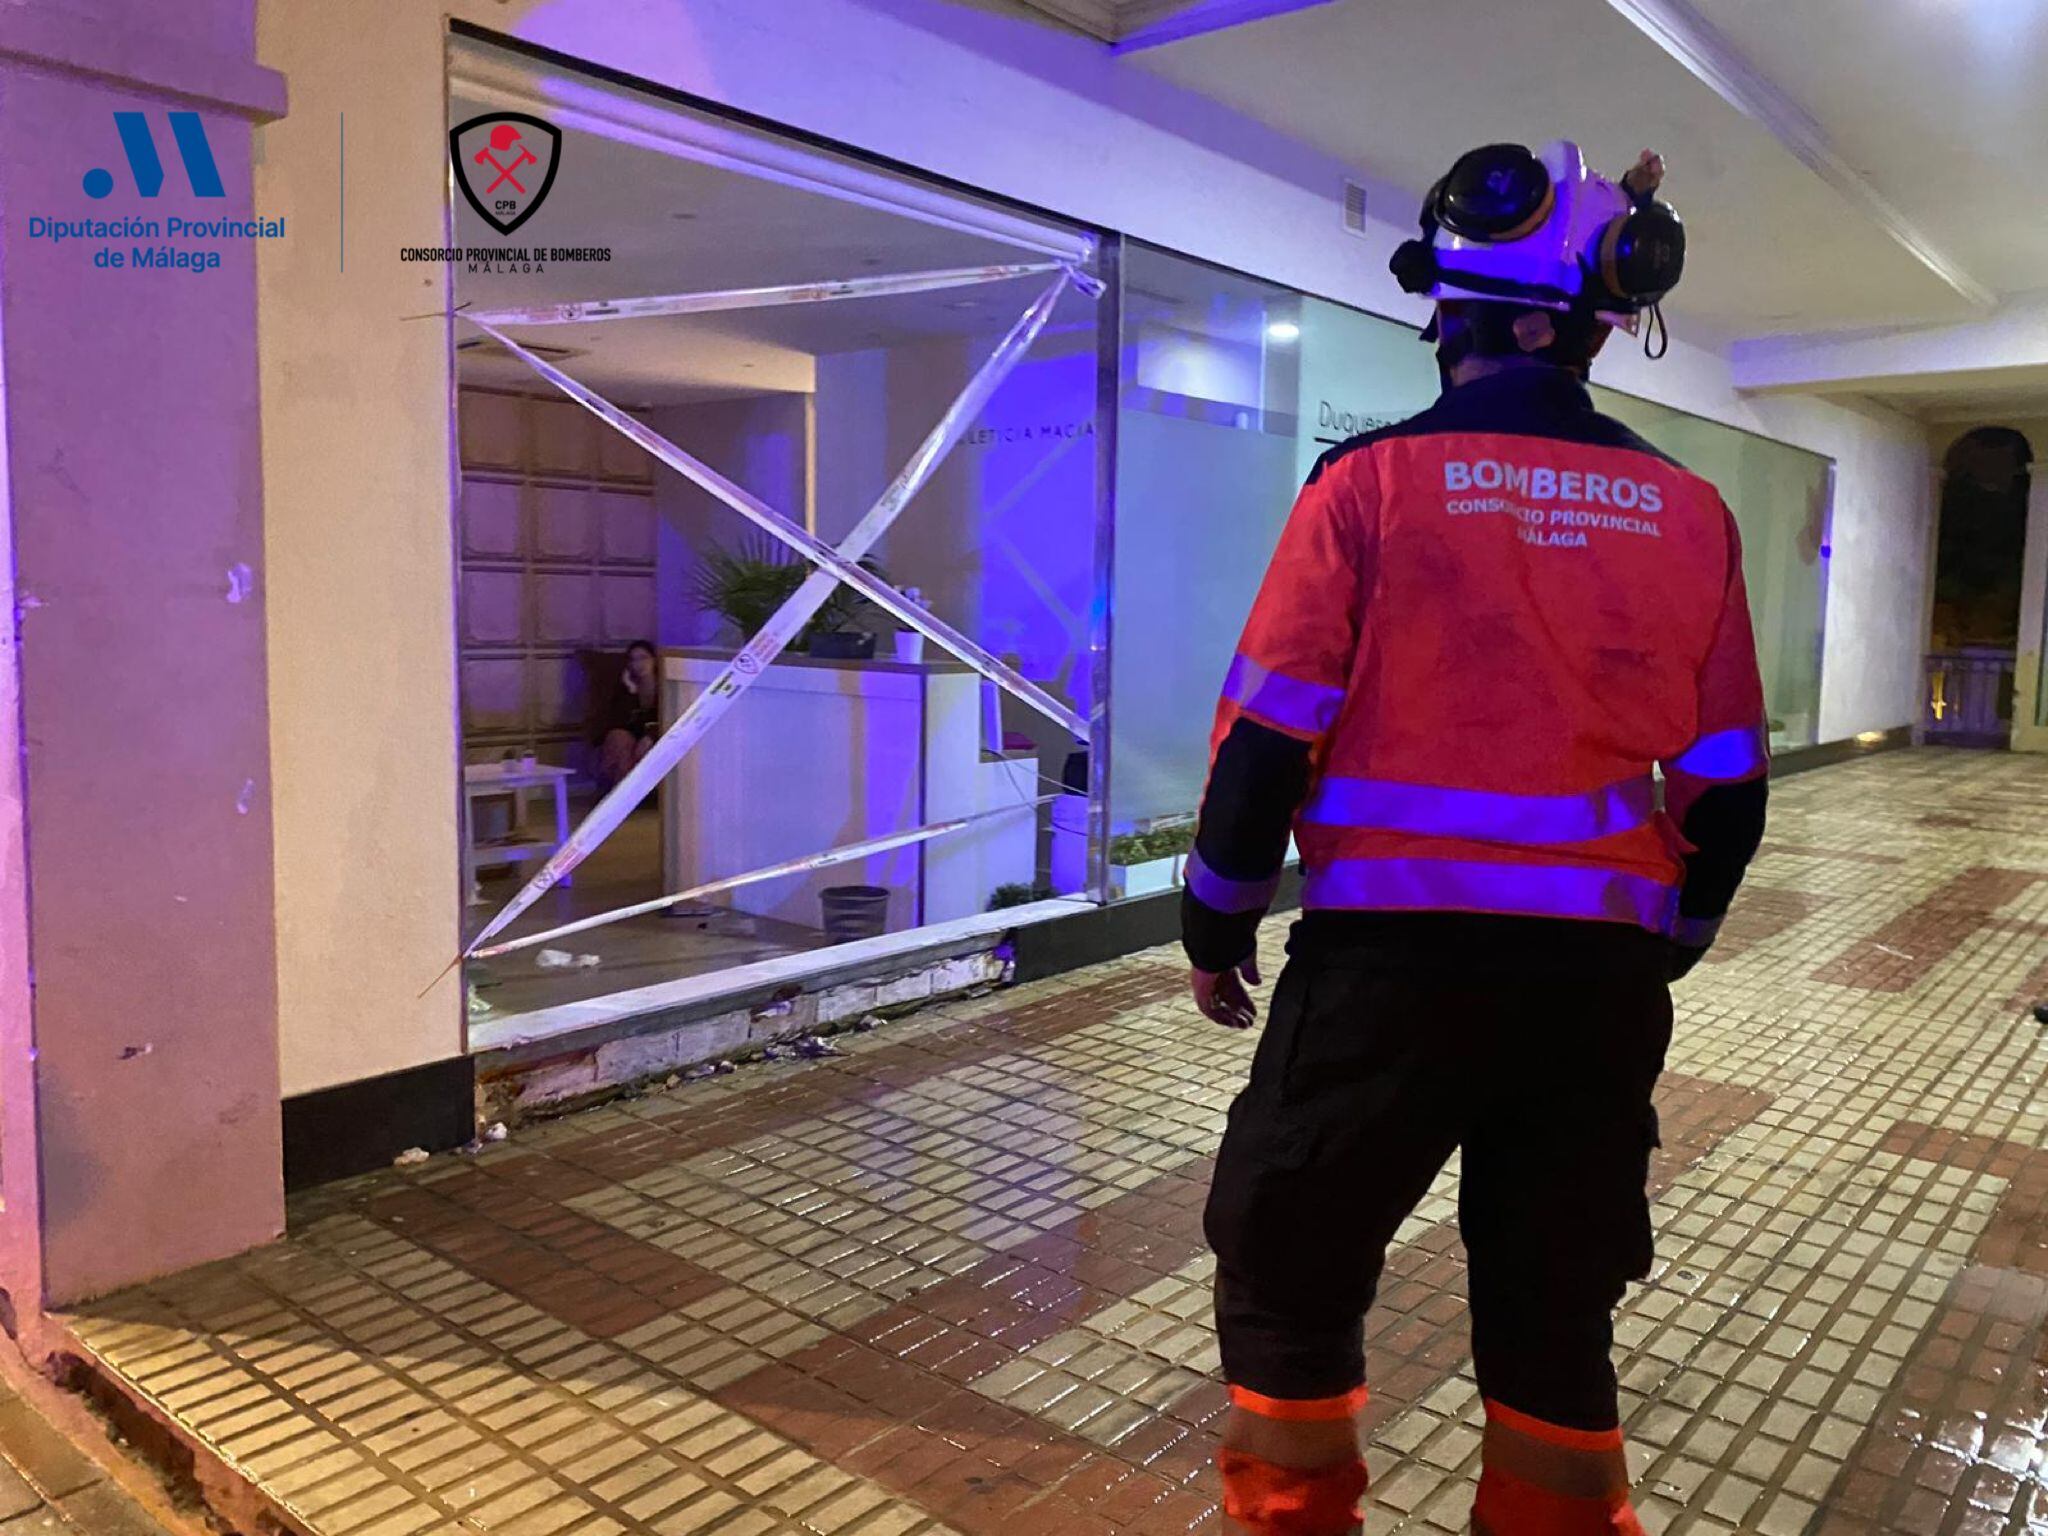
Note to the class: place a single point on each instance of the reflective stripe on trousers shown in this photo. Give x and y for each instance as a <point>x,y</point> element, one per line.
<point>1542,1479</point>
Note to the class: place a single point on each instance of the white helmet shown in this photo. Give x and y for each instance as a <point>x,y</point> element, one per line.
<point>1544,232</point>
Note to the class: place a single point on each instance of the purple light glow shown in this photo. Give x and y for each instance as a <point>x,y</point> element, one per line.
<point>1204,16</point>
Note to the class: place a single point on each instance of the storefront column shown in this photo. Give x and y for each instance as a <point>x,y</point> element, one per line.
<point>138,1015</point>
<point>2030,708</point>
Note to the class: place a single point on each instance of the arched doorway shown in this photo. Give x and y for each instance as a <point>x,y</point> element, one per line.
<point>1978,560</point>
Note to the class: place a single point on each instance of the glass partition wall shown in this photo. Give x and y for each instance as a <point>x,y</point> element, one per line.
<point>1230,388</point>
<point>794,326</point>
<point>1782,498</point>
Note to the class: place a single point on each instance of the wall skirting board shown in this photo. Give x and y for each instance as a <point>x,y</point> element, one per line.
<point>1828,753</point>
<point>336,1133</point>
<point>523,1082</point>
<point>1122,928</point>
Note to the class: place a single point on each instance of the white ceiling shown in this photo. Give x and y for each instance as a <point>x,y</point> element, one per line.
<point>1934,104</point>
<point>674,225</point>
<point>1399,87</point>
<point>1938,102</point>
<point>1982,395</point>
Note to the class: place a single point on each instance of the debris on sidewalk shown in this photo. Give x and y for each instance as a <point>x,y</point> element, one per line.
<point>411,1157</point>
<point>562,960</point>
<point>802,1048</point>
<point>495,1132</point>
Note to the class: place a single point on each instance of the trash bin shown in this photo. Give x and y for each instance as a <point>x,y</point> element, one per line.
<point>855,911</point>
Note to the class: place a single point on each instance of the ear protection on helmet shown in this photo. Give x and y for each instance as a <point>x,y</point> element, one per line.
<point>1496,193</point>
<point>1493,196</point>
<point>1642,254</point>
<point>1544,231</point>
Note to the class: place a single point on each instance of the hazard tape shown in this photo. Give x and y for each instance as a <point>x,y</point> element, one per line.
<point>758,298</point>
<point>797,611</point>
<point>845,853</point>
<point>805,543</point>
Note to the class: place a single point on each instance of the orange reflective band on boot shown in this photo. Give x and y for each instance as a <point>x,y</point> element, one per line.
<point>1544,1479</point>
<point>1561,1435</point>
<point>1271,1500</point>
<point>1299,1410</point>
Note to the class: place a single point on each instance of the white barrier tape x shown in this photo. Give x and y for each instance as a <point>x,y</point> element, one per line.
<point>845,853</point>
<point>872,587</point>
<point>796,611</point>
<point>757,298</point>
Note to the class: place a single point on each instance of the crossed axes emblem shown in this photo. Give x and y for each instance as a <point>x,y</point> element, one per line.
<point>503,137</point>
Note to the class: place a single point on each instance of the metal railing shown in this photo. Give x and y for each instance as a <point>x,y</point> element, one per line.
<point>1969,696</point>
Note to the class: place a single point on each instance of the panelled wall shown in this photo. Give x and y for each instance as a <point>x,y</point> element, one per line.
<point>557,570</point>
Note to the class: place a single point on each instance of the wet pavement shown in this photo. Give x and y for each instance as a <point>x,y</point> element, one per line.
<point>953,1279</point>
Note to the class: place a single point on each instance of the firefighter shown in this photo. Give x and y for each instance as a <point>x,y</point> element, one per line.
<point>1483,632</point>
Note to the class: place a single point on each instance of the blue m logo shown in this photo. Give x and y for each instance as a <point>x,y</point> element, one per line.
<point>139,144</point>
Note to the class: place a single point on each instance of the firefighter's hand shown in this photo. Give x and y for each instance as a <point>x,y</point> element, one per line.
<point>1222,996</point>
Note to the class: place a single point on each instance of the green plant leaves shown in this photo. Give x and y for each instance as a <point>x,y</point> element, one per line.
<point>746,583</point>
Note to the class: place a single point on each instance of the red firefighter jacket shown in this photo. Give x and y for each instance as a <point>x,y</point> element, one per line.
<point>1482,634</point>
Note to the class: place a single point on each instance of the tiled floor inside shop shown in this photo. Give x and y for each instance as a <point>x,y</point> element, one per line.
<point>639,952</point>
<point>954,1279</point>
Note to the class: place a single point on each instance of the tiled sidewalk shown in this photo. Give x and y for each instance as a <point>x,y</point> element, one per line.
<point>50,1487</point>
<point>954,1279</point>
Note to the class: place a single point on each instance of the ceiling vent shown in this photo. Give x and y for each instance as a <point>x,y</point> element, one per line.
<point>1354,208</point>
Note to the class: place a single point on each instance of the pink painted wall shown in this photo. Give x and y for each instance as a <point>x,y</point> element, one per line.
<point>134,487</point>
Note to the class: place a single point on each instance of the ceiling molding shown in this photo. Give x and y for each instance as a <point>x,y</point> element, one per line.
<point>1097,18</point>
<point>1130,25</point>
<point>2008,342</point>
<point>1150,23</point>
<point>1694,42</point>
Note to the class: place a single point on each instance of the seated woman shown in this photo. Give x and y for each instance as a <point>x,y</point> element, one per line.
<point>632,719</point>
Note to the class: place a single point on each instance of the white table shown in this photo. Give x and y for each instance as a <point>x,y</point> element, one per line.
<point>480,780</point>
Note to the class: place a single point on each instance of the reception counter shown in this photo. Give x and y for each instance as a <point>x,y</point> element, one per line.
<point>820,753</point>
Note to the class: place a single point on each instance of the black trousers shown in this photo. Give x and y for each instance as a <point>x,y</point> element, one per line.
<point>1533,1046</point>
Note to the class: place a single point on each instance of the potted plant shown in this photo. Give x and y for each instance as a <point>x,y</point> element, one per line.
<point>1144,862</point>
<point>1016,893</point>
<point>745,584</point>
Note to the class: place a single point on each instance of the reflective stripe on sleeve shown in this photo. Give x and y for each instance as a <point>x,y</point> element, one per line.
<point>1301,706</point>
<point>1725,756</point>
<point>1227,895</point>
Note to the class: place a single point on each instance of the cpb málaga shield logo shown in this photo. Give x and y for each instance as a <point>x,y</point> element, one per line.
<point>505,162</point>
